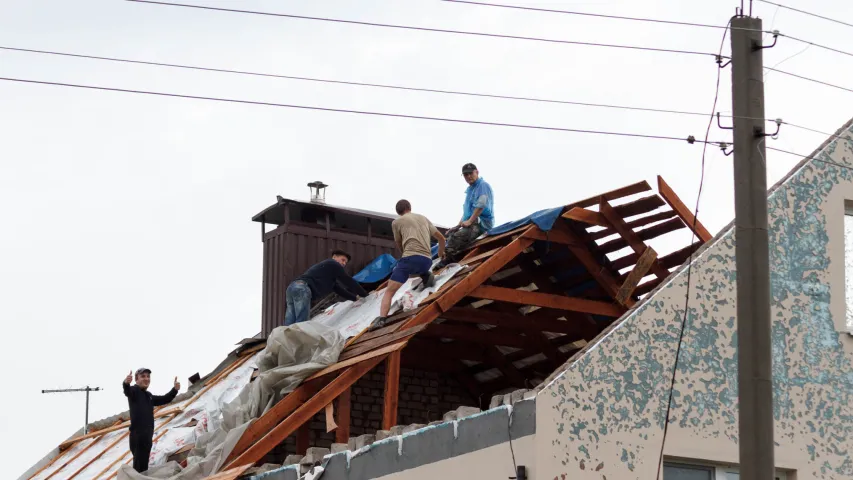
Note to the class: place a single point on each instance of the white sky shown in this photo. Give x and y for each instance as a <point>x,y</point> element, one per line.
<point>126,234</point>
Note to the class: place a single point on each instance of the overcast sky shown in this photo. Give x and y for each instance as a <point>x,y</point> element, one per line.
<point>126,234</point>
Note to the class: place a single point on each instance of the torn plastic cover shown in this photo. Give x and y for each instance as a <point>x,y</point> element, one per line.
<point>292,354</point>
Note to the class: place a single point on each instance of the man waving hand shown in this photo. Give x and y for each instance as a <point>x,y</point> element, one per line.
<point>141,403</point>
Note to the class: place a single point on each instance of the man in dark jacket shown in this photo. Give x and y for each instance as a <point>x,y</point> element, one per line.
<point>142,403</point>
<point>317,282</point>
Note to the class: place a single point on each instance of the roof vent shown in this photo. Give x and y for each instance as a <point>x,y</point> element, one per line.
<point>318,192</point>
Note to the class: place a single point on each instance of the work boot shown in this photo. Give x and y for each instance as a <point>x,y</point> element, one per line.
<point>378,323</point>
<point>427,280</point>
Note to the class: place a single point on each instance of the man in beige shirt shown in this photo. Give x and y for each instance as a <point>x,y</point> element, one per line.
<point>412,233</point>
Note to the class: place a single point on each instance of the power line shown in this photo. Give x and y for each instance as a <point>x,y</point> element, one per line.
<point>383,85</point>
<point>437,30</point>
<point>809,157</point>
<point>821,82</point>
<point>829,19</point>
<point>689,139</point>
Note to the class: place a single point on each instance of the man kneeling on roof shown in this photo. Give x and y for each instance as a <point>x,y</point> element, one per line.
<point>477,215</point>
<point>142,403</point>
<point>412,234</point>
<point>317,282</point>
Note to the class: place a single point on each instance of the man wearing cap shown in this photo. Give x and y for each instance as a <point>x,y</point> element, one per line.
<point>477,214</point>
<point>142,403</point>
<point>318,281</point>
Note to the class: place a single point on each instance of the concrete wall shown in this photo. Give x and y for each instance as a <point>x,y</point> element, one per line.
<point>603,417</point>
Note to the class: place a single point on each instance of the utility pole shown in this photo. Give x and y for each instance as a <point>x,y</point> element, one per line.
<point>755,384</point>
<point>87,390</point>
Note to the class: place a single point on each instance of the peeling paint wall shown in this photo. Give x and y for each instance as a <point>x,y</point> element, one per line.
<point>604,416</point>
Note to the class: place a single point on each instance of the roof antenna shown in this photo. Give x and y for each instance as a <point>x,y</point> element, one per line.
<point>87,390</point>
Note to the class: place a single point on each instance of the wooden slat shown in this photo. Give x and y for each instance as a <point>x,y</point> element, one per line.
<point>632,189</point>
<point>375,343</point>
<point>634,241</point>
<point>640,222</point>
<point>111,465</point>
<point>647,259</point>
<point>96,457</point>
<point>474,251</point>
<point>562,234</point>
<point>303,413</point>
<point>392,390</point>
<point>344,416</point>
<point>547,300</point>
<point>494,238</point>
<point>644,234</point>
<point>480,256</point>
<point>586,216</point>
<point>671,260</point>
<point>515,321</point>
<point>360,358</point>
<point>643,205</point>
<point>331,426</point>
<point>683,212</point>
<point>75,457</point>
<point>270,419</point>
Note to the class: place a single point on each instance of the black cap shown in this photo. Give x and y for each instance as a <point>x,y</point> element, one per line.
<point>468,168</point>
<point>141,371</point>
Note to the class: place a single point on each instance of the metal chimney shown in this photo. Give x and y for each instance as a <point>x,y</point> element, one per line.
<point>318,192</point>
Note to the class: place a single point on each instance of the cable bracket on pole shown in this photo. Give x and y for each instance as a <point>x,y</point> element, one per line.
<point>773,135</point>
<point>720,125</point>
<point>756,47</point>
<point>719,60</point>
<point>724,146</point>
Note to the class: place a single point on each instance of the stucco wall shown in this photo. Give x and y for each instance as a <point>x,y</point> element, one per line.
<point>604,416</point>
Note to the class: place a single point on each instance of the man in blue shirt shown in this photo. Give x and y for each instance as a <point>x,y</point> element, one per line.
<point>477,214</point>
<point>317,282</point>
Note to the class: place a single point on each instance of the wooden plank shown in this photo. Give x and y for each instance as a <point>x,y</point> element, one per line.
<point>360,358</point>
<point>392,390</point>
<point>586,216</point>
<point>599,273</point>
<point>75,457</point>
<point>110,466</point>
<point>647,259</point>
<point>647,286</point>
<point>474,251</point>
<point>644,234</point>
<point>96,457</point>
<point>515,321</point>
<point>344,416</point>
<point>476,335</point>
<point>303,438</point>
<point>625,191</point>
<point>302,414</point>
<point>480,256</point>
<point>331,426</point>
<point>483,272</point>
<point>642,205</point>
<point>683,212</point>
<point>633,240</point>
<point>375,343</point>
<point>547,300</point>
<point>494,238</point>
<point>668,261</point>
<point>640,222</point>
<point>270,419</point>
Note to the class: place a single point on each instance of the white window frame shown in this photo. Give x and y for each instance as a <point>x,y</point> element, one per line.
<point>848,275</point>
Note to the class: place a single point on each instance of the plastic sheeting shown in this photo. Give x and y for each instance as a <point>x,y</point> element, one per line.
<point>377,270</point>
<point>224,411</point>
<point>544,219</point>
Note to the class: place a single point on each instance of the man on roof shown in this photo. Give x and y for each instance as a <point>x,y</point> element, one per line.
<point>477,214</point>
<point>412,233</point>
<point>141,403</point>
<point>318,281</point>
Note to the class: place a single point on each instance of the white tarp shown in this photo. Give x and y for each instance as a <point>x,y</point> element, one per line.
<point>291,355</point>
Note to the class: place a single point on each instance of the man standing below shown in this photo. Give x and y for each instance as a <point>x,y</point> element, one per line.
<point>142,403</point>
<point>317,282</point>
<point>477,214</point>
<point>412,234</point>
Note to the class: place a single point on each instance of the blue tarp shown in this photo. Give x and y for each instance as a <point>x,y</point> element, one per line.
<point>381,267</point>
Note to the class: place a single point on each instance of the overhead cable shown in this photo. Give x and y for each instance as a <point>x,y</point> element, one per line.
<point>808,79</point>
<point>829,19</point>
<point>809,157</point>
<point>689,139</point>
<point>384,85</point>
<point>436,30</point>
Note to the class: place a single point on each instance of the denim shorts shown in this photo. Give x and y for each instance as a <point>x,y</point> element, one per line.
<point>408,266</point>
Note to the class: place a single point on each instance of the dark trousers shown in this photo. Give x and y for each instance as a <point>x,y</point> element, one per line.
<point>460,239</point>
<point>140,447</point>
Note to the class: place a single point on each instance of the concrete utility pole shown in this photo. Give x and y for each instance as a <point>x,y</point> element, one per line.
<point>755,384</point>
<point>87,390</point>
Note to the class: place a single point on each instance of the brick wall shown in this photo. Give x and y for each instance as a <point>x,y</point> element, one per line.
<point>424,398</point>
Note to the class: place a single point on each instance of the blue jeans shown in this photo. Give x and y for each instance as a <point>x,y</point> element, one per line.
<point>298,299</point>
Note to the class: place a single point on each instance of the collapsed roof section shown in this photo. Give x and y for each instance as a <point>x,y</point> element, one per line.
<point>529,299</point>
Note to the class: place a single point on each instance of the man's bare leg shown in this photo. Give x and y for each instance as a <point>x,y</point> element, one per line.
<point>390,290</point>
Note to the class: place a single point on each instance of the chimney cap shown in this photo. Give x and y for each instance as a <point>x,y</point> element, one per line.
<point>317,184</point>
